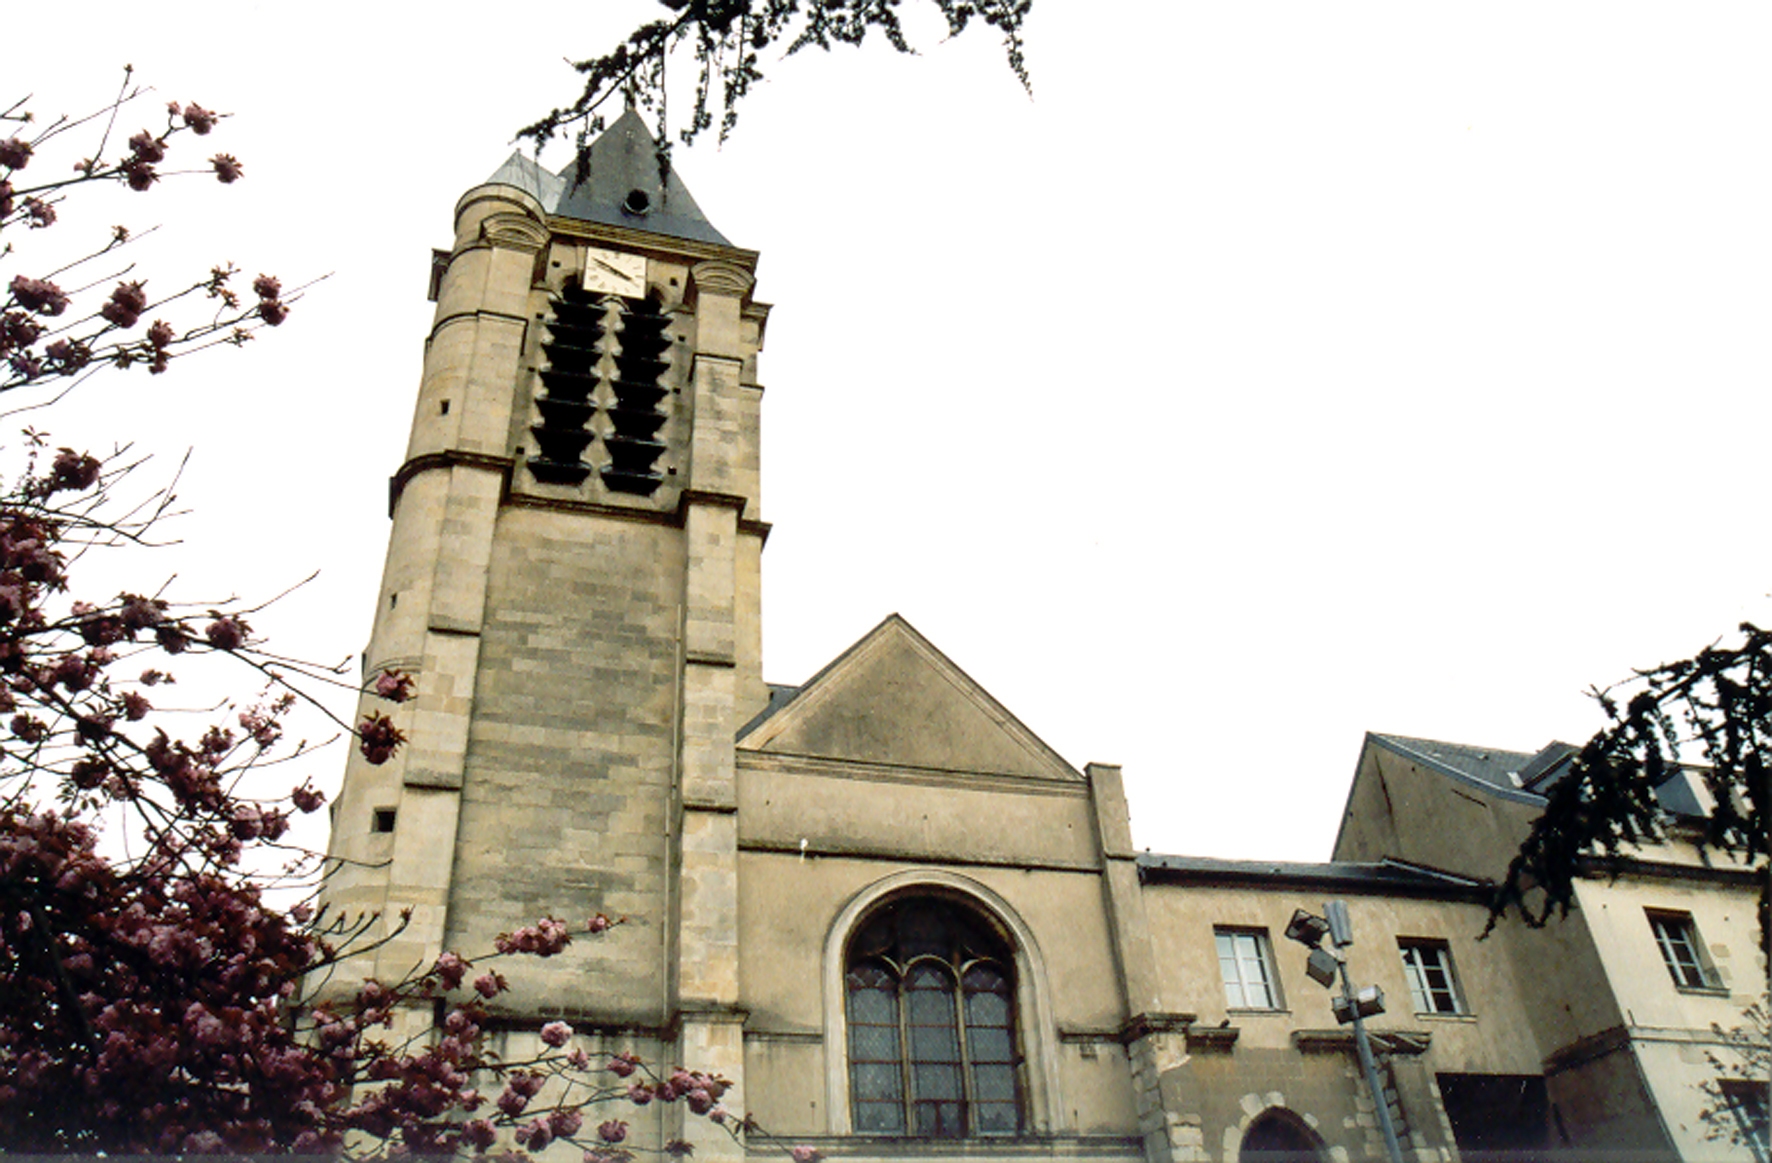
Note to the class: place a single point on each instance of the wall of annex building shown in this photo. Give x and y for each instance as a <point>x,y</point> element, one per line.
<point>795,916</point>
<point>1667,1026</point>
<point>570,756</point>
<point>1295,1054</point>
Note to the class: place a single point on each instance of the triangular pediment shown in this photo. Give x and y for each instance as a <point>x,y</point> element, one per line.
<point>893,699</point>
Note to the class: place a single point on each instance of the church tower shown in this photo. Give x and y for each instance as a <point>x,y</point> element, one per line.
<point>572,580</point>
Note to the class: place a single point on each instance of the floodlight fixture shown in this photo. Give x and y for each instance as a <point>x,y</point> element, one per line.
<point>1341,929</point>
<point>1320,967</point>
<point>1363,1004</point>
<point>1307,929</point>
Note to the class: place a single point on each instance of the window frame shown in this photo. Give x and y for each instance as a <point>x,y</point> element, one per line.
<point>1750,1103</point>
<point>1044,1109</point>
<point>1674,932</point>
<point>1415,976</point>
<point>941,986</point>
<point>1260,951</point>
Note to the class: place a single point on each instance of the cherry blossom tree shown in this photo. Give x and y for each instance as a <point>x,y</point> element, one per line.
<point>157,931</point>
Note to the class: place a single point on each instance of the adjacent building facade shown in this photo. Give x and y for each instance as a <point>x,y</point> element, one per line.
<point>901,923</point>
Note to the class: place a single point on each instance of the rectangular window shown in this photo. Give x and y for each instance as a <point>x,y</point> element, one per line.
<point>1681,951</point>
<point>1247,965</point>
<point>1428,967</point>
<point>1747,1102</point>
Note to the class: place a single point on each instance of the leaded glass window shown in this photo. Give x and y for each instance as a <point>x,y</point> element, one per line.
<point>931,1007</point>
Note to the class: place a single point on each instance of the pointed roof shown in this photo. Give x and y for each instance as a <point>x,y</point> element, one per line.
<point>526,175</point>
<point>894,699</point>
<point>623,187</point>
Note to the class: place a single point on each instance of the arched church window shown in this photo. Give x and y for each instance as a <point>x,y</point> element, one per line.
<point>931,1008</point>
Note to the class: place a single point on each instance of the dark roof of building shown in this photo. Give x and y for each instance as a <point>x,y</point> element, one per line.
<point>621,186</point>
<point>1389,876</point>
<point>1524,777</point>
<point>779,696</point>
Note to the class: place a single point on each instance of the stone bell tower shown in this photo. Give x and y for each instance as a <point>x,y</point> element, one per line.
<point>572,580</point>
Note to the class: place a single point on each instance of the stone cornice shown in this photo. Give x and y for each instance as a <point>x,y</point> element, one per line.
<point>788,763</point>
<point>642,240</point>
<point>1155,1022</point>
<point>719,277</point>
<point>452,458</point>
<point>905,856</point>
<point>1383,1041</point>
<point>514,232</point>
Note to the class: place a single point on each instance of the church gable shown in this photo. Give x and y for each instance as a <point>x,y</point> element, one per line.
<point>894,699</point>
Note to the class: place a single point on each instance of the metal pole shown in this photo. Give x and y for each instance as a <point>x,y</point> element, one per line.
<point>1370,1065</point>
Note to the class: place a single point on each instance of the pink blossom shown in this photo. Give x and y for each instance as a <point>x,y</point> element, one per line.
<point>148,148</point>
<point>393,685</point>
<point>536,1135</point>
<point>160,334</point>
<point>126,304</point>
<point>73,470</point>
<point>18,329</point>
<point>41,213</point>
<point>556,1034</point>
<point>200,120</point>
<point>803,1154</point>
<point>612,1131</point>
<point>490,985</point>
<point>227,632</point>
<point>228,169</point>
<point>139,175</point>
<point>39,295</point>
<point>479,1133</point>
<point>68,354</point>
<point>273,312</point>
<point>639,1094</point>
<point>450,970</point>
<point>597,924</point>
<point>511,1103</point>
<point>135,706</point>
<point>306,798</point>
<point>378,738</point>
<point>565,1122</point>
<point>15,153</point>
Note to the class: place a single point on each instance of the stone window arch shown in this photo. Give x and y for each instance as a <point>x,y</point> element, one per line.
<point>937,1016</point>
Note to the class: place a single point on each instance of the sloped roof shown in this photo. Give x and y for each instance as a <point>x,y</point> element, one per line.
<point>1390,876</point>
<point>621,187</point>
<point>892,698</point>
<point>1522,776</point>
<point>1489,766</point>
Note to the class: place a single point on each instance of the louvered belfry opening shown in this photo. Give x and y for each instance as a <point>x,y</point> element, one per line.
<point>635,414</point>
<point>569,382</point>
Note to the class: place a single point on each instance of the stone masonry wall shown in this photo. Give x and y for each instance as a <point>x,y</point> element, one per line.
<point>568,775</point>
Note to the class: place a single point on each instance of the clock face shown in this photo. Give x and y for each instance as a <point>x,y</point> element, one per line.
<point>609,272</point>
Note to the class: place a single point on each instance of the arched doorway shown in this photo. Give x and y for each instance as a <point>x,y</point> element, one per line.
<point>1279,1136</point>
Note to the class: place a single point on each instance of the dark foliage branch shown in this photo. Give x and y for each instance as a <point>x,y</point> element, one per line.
<point>1713,712</point>
<point>726,39</point>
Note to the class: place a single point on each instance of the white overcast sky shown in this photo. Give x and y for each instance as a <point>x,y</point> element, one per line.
<point>1279,372</point>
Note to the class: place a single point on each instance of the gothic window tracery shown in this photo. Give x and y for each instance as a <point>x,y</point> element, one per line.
<point>931,1015</point>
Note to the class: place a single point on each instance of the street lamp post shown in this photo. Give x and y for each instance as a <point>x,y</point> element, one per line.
<point>1352,1006</point>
